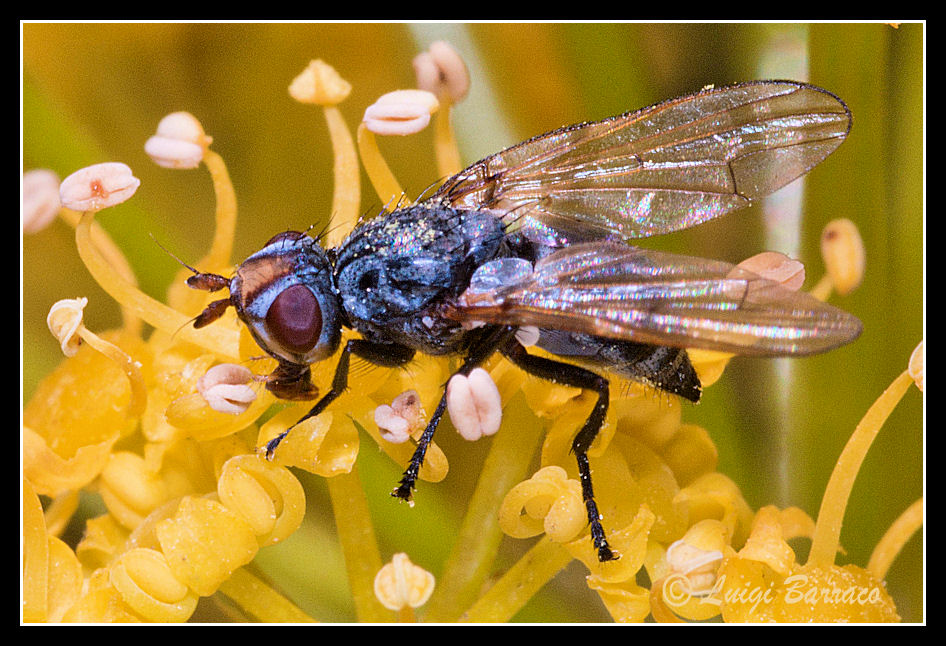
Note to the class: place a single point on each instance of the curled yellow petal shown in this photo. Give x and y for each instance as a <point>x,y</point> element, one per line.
<point>267,496</point>
<point>144,580</point>
<point>548,501</point>
<point>716,496</point>
<point>767,544</point>
<point>65,579</point>
<point>130,489</point>
<point>84,400</point>
<point>104,538</point>
<point>629,542</point>
<point>690,453</point>
<point>326,444</point>
<point>709,364</point>
<point>35,556</point>
<point>51,474</point>
<point>194,415</point>
<point>626,602</point>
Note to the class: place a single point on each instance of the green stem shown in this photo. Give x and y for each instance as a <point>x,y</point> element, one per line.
<point>502,601</point>
<point>474,552</point>
<point>359,545</point>
<point>827,534</point>
<point>261,601</point>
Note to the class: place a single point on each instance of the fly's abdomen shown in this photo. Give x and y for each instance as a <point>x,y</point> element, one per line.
<point>663,367</point>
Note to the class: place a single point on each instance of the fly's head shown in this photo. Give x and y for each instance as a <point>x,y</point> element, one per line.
<point>284,294</point>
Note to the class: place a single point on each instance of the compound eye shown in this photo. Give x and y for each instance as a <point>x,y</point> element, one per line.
<point>295,319</point>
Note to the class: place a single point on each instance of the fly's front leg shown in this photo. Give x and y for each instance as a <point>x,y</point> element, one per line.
<point>577,377</point>
<point>479,352</point>
<point>381,354</point>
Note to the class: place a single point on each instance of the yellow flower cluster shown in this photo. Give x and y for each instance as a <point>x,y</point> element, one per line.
<point>171,456</point>
<point>164,430</point>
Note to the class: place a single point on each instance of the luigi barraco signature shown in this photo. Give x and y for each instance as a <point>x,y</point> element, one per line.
<point>795,588</point>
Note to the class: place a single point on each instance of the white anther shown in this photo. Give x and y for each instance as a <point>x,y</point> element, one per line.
<point>226,389</point>
<point>403,112</point>
<point>99,186</point>
<point>399,420</point>
<point>179,142</point>
<point>474,404</point>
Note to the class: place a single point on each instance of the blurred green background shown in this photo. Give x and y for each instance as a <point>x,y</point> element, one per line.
<point>95,92</point>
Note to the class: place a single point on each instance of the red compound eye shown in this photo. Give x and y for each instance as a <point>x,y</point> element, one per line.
<point>295,319</point>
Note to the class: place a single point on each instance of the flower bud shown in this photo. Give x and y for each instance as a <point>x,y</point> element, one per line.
<point>400,583</point>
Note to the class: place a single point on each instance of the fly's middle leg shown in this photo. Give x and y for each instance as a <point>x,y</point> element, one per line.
<point>492,340</point>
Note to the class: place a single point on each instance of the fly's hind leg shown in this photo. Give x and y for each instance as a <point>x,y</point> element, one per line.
<point>482,349</point>
<point>577,377</point>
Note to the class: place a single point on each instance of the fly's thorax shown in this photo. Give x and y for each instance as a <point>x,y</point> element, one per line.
<point>394,273</point>
<point>285,296</point>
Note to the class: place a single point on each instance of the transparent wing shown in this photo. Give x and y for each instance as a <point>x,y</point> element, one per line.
<point>613,290</point>
<point>660,169</point>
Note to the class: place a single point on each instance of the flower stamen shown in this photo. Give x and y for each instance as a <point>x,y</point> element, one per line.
<point>225,388</point>
<point>321,85</point>
<point>403,112</point>
<point>824,545</point>
<point>442,72</point>
<point>843,253</point>
<point>215,338</point>
<point>400,584</point>
<point>65,322</point>
<point>474,404</point>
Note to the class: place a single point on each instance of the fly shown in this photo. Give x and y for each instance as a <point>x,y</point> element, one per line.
<point>536,236</point>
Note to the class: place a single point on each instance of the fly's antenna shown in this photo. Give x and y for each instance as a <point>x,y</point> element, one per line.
<point>168,252</point>
<point>207,282</point>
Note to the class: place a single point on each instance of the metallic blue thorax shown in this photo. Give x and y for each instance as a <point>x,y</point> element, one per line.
<point>393,272</point>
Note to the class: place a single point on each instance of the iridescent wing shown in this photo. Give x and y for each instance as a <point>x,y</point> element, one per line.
<point>657,170</point>
<point>612,290</point>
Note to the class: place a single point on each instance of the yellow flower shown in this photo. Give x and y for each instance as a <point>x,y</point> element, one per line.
<point>762,581</point>
<point>140,420</point>
<point>187,503</point>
